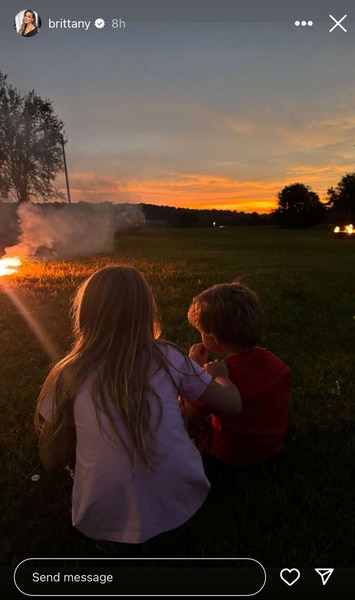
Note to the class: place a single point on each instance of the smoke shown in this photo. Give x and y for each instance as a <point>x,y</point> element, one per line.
<point>55,231</point>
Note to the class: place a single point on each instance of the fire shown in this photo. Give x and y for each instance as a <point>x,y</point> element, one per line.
<point>344,230</point>
<point>9,265</point>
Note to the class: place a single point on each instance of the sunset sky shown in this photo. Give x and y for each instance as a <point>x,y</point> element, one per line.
<point>199,115</point>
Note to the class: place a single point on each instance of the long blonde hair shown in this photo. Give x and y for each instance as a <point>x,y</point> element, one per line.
<point>116,330</point>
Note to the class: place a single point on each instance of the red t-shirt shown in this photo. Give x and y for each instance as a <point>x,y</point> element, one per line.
<point>258,431</point>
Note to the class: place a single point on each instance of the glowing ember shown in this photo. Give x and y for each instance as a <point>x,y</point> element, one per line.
<point>9,266</point>
<point>344,230</point>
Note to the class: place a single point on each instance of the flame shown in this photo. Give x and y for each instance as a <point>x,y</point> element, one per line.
<point>9,265</point>
<point>349,229</point>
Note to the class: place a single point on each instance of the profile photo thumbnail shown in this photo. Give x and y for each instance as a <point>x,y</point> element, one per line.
<point>27,23</point>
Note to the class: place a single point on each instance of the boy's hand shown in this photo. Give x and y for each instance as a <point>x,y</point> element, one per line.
<point>217,368</point>
<point>199,353</point>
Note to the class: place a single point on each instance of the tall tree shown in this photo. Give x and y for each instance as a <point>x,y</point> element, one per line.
<point>298,206</point>
<point>342,198</point>
<point>31,151</point>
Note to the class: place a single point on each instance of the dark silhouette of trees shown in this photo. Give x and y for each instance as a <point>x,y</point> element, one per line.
<point>298,206</point>
<point>341,199</point>
<point>31,151</point>
<point>187,217</point>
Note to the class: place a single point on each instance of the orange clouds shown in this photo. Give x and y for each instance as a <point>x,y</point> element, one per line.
<point>196,190</point>
<point>188,191</point>
<point>206,191</point>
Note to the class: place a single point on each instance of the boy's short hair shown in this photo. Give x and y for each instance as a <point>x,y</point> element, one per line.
<point>230,311</point>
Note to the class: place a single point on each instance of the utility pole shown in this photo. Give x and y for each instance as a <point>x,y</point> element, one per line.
<point>65,169</point>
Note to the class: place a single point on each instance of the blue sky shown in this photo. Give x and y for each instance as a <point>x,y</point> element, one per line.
<point>193,114</point>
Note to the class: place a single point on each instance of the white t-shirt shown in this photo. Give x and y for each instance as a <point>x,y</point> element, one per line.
<point>110,501</point>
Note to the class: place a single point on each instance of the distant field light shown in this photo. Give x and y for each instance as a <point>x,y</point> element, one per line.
<point>344,231</point>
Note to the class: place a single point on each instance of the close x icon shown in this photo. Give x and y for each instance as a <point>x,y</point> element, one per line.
<point>338,23</point>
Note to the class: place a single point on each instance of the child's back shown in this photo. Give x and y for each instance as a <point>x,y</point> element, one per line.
<point>111,501</point>
<point>113,402</point>
<point>258,431</point>
<point>229,319</point>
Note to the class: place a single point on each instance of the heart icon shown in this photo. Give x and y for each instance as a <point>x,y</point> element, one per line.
<point>290,576</point>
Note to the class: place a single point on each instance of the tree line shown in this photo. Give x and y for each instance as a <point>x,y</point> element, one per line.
<point>299,206</point>
<point>32,143</point>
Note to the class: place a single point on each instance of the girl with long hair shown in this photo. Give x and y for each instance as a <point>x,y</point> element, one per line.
<point>112,401</point>
<point>29,24</point>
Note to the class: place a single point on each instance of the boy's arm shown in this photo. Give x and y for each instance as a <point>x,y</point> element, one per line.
<point>198,353</point>
<point>196,413</point>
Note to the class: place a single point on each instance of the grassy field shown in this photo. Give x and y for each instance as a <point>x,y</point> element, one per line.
<point>299,510</point>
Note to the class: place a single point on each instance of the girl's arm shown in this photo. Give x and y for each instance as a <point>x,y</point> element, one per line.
<point>55,453</point>
<point>221,394</point>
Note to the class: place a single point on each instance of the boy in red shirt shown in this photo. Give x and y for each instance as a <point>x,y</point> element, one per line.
<point>229,319</point>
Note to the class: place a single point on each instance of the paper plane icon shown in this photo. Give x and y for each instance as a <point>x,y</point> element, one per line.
<point>325,574</point>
